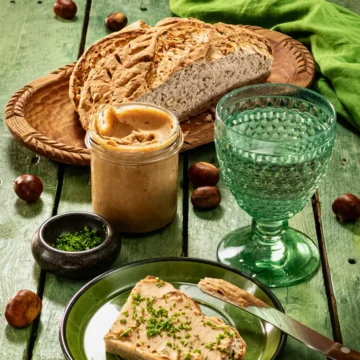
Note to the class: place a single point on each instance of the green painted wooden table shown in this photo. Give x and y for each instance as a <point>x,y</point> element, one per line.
<point>35,42</point>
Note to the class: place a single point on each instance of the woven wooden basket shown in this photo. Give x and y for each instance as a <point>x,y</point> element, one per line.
<point>41,116</point>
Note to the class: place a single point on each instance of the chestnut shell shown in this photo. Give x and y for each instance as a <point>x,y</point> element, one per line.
<point>206,197</point>
<point>347,207</point>
<point>66,9</point>
<point>203,174</point>
<point>23,308</point>
<point>116,21</point>
<point>28,187</point>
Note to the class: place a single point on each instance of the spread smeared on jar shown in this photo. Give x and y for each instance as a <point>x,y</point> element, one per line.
<point>134,127</point>
<point>158,320</point>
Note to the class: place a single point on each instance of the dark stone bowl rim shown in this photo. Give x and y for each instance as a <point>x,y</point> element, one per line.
<point>46,223</point>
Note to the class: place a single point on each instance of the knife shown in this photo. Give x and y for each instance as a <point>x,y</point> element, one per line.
<point>285,323</point>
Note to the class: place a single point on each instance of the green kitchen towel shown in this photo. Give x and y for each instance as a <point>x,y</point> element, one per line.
<point>331,33</point>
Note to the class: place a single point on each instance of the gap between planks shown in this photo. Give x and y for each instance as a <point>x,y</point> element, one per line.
<point>61,172</point>
<point>185,231</point>
<point>42,278</point>
<point>334,316</point>
<point>84,28</point>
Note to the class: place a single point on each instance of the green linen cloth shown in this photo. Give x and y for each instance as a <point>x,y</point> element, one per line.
<point>331,33</point>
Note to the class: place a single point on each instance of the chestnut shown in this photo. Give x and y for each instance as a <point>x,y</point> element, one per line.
<point>28,187</point>
<point>66,9</point>
<point>23,308</point>
<point>116,21</point>
<point>206,197</point>
<point>347,207</point>
<point>203,174</point>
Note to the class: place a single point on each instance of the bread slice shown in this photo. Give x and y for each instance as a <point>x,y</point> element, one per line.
<point>234,57</point>
<point>160,322</point>
<point>184,65</point>
<point>99,50</point>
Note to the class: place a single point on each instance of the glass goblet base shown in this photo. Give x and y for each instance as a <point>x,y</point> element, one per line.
<point>288,260</point>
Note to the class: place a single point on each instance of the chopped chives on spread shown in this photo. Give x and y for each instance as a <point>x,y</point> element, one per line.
<point>125,333</point>
<point>160,283</point>
<point>78,241</point>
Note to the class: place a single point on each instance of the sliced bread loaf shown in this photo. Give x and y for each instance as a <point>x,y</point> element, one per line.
<point>184,65</point>
<point>96,52</point>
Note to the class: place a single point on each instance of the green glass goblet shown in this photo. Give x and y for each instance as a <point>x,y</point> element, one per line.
<point>273,143</point>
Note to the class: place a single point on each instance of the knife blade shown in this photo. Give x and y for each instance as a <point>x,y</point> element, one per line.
<point>297,330</point>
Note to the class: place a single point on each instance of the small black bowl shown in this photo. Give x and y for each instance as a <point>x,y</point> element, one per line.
<point>79,264</point>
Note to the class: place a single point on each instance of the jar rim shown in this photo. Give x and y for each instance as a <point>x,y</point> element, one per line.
<point>97,138</point>
<point>135,156</point>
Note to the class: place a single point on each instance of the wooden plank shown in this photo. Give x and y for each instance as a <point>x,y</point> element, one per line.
<point>348,4</point>
<point>23,24</point>
<point>18,222</point>
<point>305,302</point>
<point>76,196</point>
<point>343,240</point>
<point>133,10</point>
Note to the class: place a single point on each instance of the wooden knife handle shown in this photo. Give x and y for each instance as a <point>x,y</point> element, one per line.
<point>342,352</point>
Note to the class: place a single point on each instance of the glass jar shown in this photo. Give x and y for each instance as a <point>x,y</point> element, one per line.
<point>135,187</point>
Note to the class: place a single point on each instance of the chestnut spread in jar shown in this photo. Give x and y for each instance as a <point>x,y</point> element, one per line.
<point>134,166</point>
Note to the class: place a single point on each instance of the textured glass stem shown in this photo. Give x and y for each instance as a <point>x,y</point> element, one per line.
<point>268,231</point>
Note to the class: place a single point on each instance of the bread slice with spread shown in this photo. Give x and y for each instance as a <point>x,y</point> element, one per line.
<point>161,322</point>
<point>184,65</point>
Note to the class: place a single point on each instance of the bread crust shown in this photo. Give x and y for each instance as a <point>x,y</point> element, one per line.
<point>154,57</point>
<point>96,52</point>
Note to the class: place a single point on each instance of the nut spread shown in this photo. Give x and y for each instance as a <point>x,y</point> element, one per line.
<point>134,129</point>
<point>134,166</point>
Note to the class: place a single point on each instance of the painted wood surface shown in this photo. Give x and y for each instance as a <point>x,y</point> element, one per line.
<point>305,302</point>
<point>23,60</point>
<point>76,195</point>
<point>23,25</point>
<point>343,240</point>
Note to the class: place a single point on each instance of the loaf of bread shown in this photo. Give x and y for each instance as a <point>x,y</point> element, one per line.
<point>184,65</point>
<point>99,50</point>
<point>160,322</point>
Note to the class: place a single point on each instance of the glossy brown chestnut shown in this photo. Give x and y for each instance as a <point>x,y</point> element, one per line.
<point>347,207</point>
<point>203,174</point>
<point>116,21</point>
<point>23,308</point>
<point>206,197</point>
<point>28,187</point>
<point>66,9</point>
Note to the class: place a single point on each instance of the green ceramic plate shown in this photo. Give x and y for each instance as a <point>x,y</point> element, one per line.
<point>93,309</point>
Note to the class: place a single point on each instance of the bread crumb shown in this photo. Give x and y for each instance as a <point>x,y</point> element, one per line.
<point>208,118</point>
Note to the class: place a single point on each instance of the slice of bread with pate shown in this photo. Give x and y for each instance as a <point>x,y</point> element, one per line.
<point>160,322</point>
<point>184,65</point>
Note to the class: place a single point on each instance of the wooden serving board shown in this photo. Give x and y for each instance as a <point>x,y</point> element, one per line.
<point>41,116</point>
